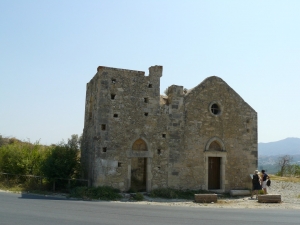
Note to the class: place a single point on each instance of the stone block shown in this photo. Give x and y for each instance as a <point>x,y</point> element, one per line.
<point>239,192</point>
<point>206,198</point>
<point>269,198</point>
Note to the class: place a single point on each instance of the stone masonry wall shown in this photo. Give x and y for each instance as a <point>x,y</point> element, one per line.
<point>235,126</point>
<point>134,113</point>
<point>123,106</point>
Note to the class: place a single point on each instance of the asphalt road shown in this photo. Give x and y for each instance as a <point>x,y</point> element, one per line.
<point>26,209</point>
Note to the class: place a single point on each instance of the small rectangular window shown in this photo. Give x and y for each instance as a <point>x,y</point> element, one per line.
<point>113,80</point>
<point>104,149</point>
<point>159,151</point>
<point>146,100</point>
<point>103,127</point>
<point>164,135</point>
<point>116,115</point>
<point>146,114</point>
<point>149,85</point>
<point>112,96</point>
<point>119,164</point>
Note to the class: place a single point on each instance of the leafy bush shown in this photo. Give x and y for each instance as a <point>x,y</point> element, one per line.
<point>131,190</point>
<point>18,158</point>
<point>101,192</point>
<point>21,158</point>
<point>7,140</point>
<point>138,196</point>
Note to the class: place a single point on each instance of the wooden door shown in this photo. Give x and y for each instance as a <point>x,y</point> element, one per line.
<point>138,174</point>
<point>214,172</point>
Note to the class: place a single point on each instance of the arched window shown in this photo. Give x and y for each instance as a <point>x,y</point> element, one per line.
<point>139,145</point>
<point>214,146</point>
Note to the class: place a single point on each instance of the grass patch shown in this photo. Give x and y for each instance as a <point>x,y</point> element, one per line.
<point>102,193</point>
<point>170,193</point>
<point>222,202</point>
<point>16,188</point>
<point>24,187</point>
<point>261,192</point>
<point>289,179</point>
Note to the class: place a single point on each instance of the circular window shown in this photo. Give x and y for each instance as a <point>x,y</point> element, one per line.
<point>215,108</point>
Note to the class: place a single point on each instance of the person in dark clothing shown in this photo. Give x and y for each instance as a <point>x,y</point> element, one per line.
<point>255,184</point>
<point>265,177</point>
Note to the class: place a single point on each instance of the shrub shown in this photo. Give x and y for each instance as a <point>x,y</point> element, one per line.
<point>132,190</point>
<point>21,158</point>
<point>101,192</point>
<point>56,162</point>
<point>174,193</point>
<point>138,196</point>
<point>261,192</point>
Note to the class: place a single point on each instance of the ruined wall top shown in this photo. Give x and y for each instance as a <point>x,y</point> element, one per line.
<point>104,68</point>
<point>153,70</point>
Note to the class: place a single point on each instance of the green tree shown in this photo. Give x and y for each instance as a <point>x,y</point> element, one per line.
<point>75,141</point>
<point>61,162</point>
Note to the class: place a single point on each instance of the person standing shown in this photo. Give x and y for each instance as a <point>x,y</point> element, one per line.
<point>265,177</point>
<point>255,184</point>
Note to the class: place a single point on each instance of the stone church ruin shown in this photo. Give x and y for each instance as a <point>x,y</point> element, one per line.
<point>135,138</point>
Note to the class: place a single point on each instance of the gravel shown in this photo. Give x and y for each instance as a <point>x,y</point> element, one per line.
<point>289,191</point>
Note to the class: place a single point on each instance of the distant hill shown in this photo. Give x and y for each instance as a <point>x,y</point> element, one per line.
<point>288,146</point>
<point>269,153</point>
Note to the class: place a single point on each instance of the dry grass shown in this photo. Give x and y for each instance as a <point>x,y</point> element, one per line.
<point>290,179</point>
<point>13,188</point>
<point>222,202</point>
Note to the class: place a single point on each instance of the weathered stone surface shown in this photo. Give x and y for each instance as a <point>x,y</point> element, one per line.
<point>269,198</point>
<point>239,192</point>
<point>206,198</point>
<point>203,138</point>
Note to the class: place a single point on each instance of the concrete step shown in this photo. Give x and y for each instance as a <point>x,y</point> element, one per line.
<point>269,198</point>
<point>206,198</point>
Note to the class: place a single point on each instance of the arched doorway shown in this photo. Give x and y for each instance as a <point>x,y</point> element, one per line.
<point>139,167</point>
<point>215,158</point>
<point>214,167</point>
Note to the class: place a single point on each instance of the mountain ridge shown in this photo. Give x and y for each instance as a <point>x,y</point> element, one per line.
<point>287,146</point>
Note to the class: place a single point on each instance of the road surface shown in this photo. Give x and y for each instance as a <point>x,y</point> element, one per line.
<point>27,209</point>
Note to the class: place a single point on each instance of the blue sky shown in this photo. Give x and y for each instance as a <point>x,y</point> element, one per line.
<point>49,50</point>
